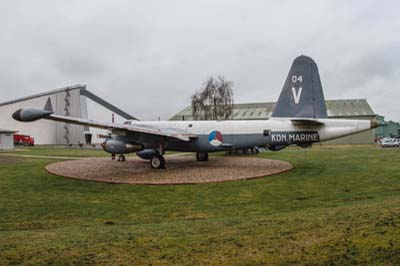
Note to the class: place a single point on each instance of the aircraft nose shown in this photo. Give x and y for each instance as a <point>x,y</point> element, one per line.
<point>375,123</point>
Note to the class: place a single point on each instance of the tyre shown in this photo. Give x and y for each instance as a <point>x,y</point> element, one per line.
<point>202,156</point>
<point>157,162</point>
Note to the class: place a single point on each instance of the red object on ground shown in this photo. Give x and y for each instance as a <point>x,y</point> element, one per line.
<point>26,140</point>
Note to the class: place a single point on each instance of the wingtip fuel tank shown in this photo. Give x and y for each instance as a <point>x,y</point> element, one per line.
<point>30,114</point>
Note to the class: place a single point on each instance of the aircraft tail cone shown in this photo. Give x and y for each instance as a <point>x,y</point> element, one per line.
<point>375,123</point>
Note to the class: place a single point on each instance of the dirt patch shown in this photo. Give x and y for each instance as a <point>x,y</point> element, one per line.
<point>4,160</point>
<point>179,170</point>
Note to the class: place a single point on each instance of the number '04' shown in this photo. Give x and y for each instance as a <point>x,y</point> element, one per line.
<point>296,79</point>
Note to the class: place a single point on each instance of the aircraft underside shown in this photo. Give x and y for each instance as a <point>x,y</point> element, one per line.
<point>204,144</point>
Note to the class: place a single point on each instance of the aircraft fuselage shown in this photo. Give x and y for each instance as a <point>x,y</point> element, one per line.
<point>222,135</point>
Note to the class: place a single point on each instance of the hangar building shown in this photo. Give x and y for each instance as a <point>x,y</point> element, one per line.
<point>69,101</point>
<point>387,129</point>
<point>346,109</point>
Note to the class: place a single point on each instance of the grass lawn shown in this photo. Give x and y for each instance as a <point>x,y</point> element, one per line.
<point>338,206</point>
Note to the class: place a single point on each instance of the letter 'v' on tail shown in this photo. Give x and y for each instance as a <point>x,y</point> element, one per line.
<point>302,94</point>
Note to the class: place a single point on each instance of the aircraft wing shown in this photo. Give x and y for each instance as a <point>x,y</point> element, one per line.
<point>32,114</point>
<point>306,122</point>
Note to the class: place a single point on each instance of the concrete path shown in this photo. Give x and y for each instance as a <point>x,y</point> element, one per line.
<point>66,157</point>
<point>41,156</point>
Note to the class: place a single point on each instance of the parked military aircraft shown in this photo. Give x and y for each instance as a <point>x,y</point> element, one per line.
<point>300,118</point>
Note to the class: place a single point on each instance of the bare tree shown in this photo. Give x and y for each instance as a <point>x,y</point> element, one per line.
<point>214,101</point>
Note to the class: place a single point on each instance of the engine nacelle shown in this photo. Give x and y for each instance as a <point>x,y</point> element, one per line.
<point>120,147</point>
<point>146,154</point>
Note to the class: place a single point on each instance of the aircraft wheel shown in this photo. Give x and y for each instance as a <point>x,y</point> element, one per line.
<point>202,156</point>
<point>157,162</point>
<point>121,158</point>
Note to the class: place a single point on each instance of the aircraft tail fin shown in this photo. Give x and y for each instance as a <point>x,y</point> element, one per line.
<point>302,94</point>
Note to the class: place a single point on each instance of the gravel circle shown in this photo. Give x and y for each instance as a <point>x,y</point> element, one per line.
<point>179,170</point>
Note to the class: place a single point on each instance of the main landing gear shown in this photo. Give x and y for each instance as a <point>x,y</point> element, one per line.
<point>202,156</point>
<point>157,161</point>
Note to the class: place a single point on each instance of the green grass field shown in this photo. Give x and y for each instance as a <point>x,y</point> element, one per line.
<point>340,205</point>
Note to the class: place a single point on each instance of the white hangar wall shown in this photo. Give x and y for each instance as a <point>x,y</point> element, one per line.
<point>69,101</point>
<point>64,102</point>
<point>43,131</point>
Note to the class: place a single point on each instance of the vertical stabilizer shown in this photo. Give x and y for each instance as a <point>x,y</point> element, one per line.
<point>302,94</point>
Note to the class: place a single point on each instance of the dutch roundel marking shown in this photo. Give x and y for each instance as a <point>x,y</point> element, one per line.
<point>215,138</point>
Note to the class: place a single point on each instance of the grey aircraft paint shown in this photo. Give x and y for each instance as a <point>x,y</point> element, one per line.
<point>231,141</point>
<point>302,94</point>
<point>30,114</point>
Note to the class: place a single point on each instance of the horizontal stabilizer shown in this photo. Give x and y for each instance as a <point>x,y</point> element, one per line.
<point>306,122</point>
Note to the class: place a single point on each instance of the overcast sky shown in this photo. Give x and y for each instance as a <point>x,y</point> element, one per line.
<point>148,57</point>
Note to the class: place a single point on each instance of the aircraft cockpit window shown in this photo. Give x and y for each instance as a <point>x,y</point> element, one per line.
<point>267,133</point>
<point>127,122</point>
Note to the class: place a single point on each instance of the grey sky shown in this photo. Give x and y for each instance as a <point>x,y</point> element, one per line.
<point>148,57</point>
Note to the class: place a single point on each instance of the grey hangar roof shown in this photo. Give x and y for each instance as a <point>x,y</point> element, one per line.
<point>261,111</point>
<point>83,91</point>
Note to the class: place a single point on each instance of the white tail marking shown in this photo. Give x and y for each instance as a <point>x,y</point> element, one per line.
<point>296,95</point>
